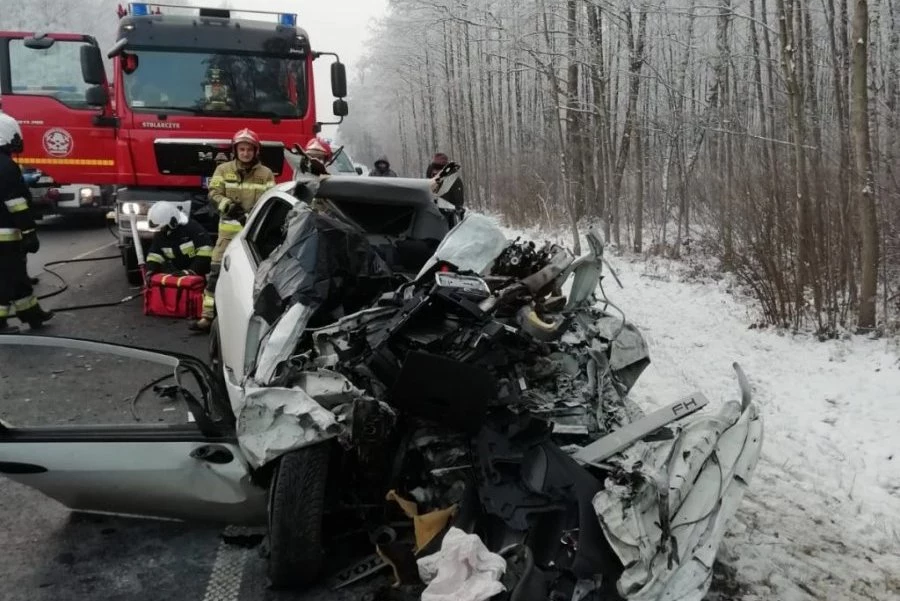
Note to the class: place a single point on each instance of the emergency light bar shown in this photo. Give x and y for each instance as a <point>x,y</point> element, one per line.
<point>143,9</point>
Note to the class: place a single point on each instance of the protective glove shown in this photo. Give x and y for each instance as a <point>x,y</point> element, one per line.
<point>235,211</point>
<point>30,242</point>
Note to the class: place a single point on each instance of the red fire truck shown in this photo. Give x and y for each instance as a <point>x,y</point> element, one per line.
<point>184,80</point>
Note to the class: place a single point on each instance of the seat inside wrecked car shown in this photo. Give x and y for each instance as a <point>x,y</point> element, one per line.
<point>400,216</point>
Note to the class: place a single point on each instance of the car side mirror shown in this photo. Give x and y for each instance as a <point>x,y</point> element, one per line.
<point>340,108</point>
<point>97,96</point>
<point>338,80</point>
<point>92,71</point>
<point>359,170</point>
<point>39,41</point>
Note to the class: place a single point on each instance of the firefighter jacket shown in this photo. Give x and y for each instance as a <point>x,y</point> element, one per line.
<point>186,248</point>
<point>233,184</point>
<point>16,219</point>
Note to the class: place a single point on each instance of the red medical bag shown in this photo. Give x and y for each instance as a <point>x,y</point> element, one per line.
<point>167,295</point>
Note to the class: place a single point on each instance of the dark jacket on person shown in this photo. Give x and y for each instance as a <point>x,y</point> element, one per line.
<point>382,168</point>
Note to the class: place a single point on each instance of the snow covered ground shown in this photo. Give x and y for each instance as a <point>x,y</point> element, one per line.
<point>821,519</point>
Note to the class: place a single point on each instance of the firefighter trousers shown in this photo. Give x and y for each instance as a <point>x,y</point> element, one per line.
<point>228,230</point>
<point>16,293</point>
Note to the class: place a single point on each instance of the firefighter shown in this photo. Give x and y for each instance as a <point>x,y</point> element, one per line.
<point>31,178</point>
<point>182,246</point>
<point>233,189</point>
<point>320,151</point>
<point>18,236</point>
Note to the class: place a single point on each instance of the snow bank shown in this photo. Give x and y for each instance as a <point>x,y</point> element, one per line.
<point>821,519</point>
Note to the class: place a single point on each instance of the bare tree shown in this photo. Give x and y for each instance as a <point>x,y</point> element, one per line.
<point>868,221</point>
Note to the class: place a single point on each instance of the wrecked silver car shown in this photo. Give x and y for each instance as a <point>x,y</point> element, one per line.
<point>467,425</point>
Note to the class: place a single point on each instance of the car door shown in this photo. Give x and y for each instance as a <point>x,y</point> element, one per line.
<point>79,446</point>
<point>234,291</point>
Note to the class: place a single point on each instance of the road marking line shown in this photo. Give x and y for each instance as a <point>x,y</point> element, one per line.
<point>227,573</point>
<point>90,252</point>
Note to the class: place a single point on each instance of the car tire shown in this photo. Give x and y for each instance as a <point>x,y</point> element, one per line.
<point>296,511</point>
<point>132,270</point>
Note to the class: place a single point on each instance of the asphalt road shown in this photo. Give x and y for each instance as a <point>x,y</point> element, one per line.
<point>50,553</point>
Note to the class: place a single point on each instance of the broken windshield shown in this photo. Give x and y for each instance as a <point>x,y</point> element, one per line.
<point>228,85</point>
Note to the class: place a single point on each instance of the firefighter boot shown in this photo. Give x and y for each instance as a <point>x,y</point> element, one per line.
<point>201,325</point>
<point>5,328</point>
<point>35,317</point>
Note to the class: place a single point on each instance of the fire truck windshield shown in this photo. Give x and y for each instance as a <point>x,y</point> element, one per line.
<point>224,85</point>
<point>53,72</point>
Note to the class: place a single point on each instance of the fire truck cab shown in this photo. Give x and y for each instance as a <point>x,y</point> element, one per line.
<point>184,79</point>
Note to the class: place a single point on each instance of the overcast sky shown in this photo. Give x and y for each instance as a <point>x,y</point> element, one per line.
<point>340,26</point>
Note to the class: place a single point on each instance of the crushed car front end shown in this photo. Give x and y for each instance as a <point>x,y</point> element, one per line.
<point>488,395</point>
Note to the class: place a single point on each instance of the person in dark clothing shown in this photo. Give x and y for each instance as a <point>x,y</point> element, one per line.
<point>382,168</point>
<point>182,246</point>
<point>450,188</point>
<point>18,236</point>
<point>438,162</point>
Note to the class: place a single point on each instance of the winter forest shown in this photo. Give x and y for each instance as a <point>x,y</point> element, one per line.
<point>761,132</point>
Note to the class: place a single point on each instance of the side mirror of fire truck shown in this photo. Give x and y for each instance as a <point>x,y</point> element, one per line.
<point>92,71</point>
<point>96,96</point>
<point>340,108</point>
<point>39,41</point>
<point>338,80</point>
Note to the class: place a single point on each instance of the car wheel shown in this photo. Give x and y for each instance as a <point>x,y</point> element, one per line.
<point>296,510</point>
<point>132,270</point>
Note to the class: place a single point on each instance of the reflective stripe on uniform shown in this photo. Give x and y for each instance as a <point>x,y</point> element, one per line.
<point>208,300</point>
<point>230,227</point>
<point>23,304</point>
<point>204,251</point>
<point>246,186</point>
<point>155,258</point>
<point>216,180</point>
<point>16,205</point>
<point>10,234</point>
<point>5,311</point>
<point>169,252</point>
<point>209,305</point>
<point>187,249</point>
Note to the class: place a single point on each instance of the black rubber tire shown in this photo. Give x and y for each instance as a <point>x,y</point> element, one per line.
<point>296,510</point>
<point>132,271</point>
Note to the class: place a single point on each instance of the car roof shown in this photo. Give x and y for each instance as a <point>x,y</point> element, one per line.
<point>386,190</point>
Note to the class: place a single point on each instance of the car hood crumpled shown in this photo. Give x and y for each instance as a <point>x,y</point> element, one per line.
<point>494,373</point>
